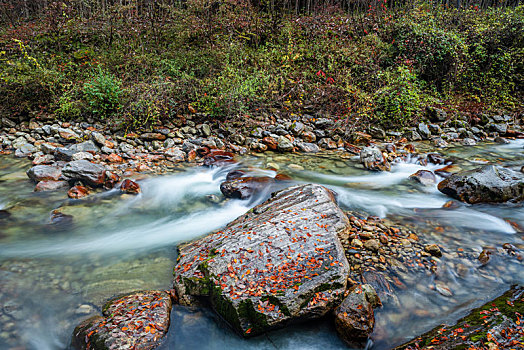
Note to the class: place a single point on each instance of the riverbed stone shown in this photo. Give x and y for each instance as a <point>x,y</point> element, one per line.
<point>136,321</point>
<point>51,185</point>
<point>424,177</point>
<point>245,187</point>
<point>280,262</point>
<point>44,172</point>
<point>354,318</point>
<point>488,184</point>
<point>83,170</point>
<point>373,159</point>
<point>284,145</point>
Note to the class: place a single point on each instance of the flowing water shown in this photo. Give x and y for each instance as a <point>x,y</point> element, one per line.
<point>52,276</point>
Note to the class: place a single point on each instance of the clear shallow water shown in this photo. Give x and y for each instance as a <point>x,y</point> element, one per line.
<point>53,277</point>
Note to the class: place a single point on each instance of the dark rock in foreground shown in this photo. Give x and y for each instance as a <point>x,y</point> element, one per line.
<point>136,321</point>
<point>44,173</point>
<point>495,325</point>
<point>280,262</point>
<point>354,318</point>
<point>489,184</point>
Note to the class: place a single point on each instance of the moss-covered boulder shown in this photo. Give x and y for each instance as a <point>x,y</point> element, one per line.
<point>495,325</point>
<point>134,321</point>
<point>280,262</point>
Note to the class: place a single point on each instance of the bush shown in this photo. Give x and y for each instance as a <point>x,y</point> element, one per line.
<point>399,101</point>
<point>103,93</point>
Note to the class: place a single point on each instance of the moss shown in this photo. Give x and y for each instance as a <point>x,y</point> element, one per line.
<point>274,300</point>
<point>257,321</point>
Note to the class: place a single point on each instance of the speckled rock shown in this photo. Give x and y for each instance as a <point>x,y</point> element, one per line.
<point>280,262</point>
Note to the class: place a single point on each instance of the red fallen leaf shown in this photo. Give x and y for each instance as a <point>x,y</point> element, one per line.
<point>249,330</point>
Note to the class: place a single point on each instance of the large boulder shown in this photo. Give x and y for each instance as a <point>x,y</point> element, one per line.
<point>136,321</point>
<point>280,262</point>
<point>489,184</point>
<point>83,170</point>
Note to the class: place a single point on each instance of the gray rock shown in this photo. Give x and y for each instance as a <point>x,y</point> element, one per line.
<point>284,145</point>
<point>324,123</point>
<point>265,269</point>
<point>502,128</point>
<point>436,114</point>
<point>297,128</point>
<point>488,184</point>
<point>425,177</point>
<point>373,159</point>
<point>372,245</point>
<point>468,142</point>
<point>82,155</point>
<point>354,318</point>
<point>440,143</point>
<point>87,146</point>
<point>8,123</point>
<point>62,153</point>
<point>423,130</point>
<point>308,147</point>
<point>85,171</point>
<point>44,172</point>
<point>175,154</point>
<point>47,148</point>
<point>206,130</point>
<point>98,138</point>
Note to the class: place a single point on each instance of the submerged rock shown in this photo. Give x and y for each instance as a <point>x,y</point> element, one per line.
<point>489,184</point>
<point>495,325</point>
<point>354,318</point>
<point>280,262</point>
<point>77,192</point>
<point>136,321</point>
<point>424,177</point>
<point>50,185</point>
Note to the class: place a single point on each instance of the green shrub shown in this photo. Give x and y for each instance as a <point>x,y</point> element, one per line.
<point>69,107</point>
<point>399,101</point>
<point>103,93</point>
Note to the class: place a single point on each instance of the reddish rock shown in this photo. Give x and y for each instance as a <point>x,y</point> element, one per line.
<point>219,157</point>
<point>152,136</point>
<point>140,320</point>
<point>111,179</point>
<point>78,192</point>
<point>270,142</point>
<point>45,159</point>
<point>309,136</point>
<point>191,155</point>
<point>44,172</point>
<point>282,177</point>
<point>50,185</point>
<point>114,158</point>
<point>235,174</point>
<point>130,187</point>
<point>203,151</point>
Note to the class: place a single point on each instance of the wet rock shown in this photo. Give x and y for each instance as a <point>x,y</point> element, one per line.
<point>372,245</point>
<point>85,171</point>
<point>297,128</point>
<point>267,267</point>
<point>373,159</point>
<point>245,187</point>
<point>67,134</point>
<point>206,130</point>
<point>44,172</point>
<point>235,174</point>
<point>354,318</point>
<point>4,214</point>
<point>489,184</point>
<point>501,140</point>
<point>494,325</point>
<point>327,143</point>
<point>468,142</point>
<point>500,128</point>
<point>43,159</point>
<point>218,157</point>
<point>25,150</point>
<point>136,321</point>
<point>425,177</point>
<point>484,256</point>
<point>433,249</point>
<point>51,185</point>
<point>439,142</point>
<point>284,145</point>
<point>60,220</point>
<point>77,192</point>
<point>309,136</point>
<point>130,187</point>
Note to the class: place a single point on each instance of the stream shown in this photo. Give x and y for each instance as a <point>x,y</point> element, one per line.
<point>54,275</point>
